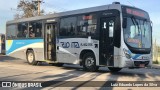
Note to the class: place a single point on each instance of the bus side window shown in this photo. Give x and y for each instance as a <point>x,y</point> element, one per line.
<point>38,29</point>
<point>68,26</point>
<point>31,33</point>
<point>35,29</point>
<point>38,32</point>
<point>11,31</point>
<point>22,30</point>
<point>87,25</point>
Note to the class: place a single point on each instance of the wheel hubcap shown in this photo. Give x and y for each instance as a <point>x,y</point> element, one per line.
<point>30,57</point>
<point>89,61</point>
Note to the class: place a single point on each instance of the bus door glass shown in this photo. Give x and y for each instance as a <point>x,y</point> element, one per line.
<point>50,42</point>
<point>107,40</point>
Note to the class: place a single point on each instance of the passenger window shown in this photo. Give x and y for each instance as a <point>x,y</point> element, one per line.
<point>11,31</point>
<point>35,29</point>
<point>68,26</point>
<point>22,30</point>
<point>87,25</point>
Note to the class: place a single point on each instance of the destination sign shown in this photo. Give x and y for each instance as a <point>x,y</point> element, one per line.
<point>89,17</point>
<point>135,12</point>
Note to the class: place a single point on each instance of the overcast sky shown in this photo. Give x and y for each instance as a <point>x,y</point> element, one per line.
<point>151,6</point>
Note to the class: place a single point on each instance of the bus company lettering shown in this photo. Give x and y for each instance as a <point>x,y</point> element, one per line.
<point>86,44</point>
<point>70,45</point>
<point>74,44</point>
<point>20,42</point>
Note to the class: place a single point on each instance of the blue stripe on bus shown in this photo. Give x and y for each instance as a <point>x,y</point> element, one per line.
<point>21,43</point>
<point>136,56</point>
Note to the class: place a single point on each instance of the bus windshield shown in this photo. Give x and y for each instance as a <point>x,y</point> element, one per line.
<point>137,33</point>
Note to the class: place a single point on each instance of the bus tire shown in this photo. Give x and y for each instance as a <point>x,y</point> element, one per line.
<point>113,69</point>
<point>89,62</point>
<point>31,58</point>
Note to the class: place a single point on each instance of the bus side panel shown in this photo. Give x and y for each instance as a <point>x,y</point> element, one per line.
<point>18,48</point>
<point>70,49</point>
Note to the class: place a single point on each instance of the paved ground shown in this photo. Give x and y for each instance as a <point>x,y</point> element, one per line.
<point>12,69</point>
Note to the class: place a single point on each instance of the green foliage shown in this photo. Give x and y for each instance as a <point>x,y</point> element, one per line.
<point>156,62</point>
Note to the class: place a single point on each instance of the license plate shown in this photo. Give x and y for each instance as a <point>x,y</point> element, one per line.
<point>142,65</point>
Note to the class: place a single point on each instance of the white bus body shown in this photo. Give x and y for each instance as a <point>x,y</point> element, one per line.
<point>115,35</point>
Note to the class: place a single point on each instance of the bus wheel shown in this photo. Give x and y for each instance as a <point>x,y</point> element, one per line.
<point>89,62</point>
<point>31,58</point>
<point>112,69</point>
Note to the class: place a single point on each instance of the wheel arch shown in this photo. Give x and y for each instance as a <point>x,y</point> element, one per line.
<point>34,61</point>
<point>30,49</point>
<point>83,52</point>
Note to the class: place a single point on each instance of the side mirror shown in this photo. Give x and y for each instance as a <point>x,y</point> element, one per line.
<point>124,22</point>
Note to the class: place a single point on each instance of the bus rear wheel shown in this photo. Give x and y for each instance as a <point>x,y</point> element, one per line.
<point>113,69</point>
<point>31,58</point>
<point>89,62</point>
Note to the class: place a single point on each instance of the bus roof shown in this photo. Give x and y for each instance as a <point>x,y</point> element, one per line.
<point>114,5</point>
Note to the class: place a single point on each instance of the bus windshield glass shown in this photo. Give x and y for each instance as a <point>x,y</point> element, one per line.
<point>137,33</point>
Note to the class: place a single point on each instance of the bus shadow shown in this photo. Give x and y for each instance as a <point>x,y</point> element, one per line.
<point>76,71</point>
<point>61,80</point>
<point>130,74</point>
<point>73,77</point>
<point>4,58</point>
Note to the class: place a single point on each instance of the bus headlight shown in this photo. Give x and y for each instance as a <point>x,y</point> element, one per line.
<point>127,54</point>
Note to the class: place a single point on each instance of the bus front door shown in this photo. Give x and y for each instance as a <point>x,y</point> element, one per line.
<point>50,42</point>
<point>107,41</point>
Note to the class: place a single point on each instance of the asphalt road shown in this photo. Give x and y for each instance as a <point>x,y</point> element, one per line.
<point>12,69</point>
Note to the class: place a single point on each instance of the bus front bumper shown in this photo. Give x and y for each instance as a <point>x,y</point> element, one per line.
<point>130,63</point>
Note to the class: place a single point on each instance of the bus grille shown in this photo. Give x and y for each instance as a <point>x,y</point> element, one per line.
<point>137,63</point>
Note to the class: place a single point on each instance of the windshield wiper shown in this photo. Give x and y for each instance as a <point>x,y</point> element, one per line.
<point>133,23</point>
<point>144,26</point>
<point>136,23</point>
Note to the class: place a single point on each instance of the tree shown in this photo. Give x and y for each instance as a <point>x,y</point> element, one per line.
<point>27,9</point>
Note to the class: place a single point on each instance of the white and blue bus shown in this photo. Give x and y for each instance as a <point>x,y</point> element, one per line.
<point>2,44</point>
<point>116,36</point>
